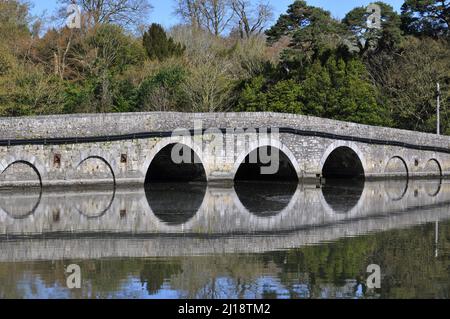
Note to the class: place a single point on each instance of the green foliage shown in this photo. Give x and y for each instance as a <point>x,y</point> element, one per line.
<point>335,88</point>
<point>284,97</point>
<point>372,39</point>
<point>339,89</point>
<point>312,31</point>
<point>158,46</point>
<point>162,91</point>
<point>426,17</point>
<point>114,50</point>
<point>26,90</point>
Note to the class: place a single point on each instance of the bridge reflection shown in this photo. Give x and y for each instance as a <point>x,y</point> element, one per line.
<point>194,218</point>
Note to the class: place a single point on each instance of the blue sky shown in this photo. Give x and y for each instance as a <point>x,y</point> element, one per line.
<point>163,9</point>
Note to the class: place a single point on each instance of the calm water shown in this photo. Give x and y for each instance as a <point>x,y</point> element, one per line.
<point>274,240</point>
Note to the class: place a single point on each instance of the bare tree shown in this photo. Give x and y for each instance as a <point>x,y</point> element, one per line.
<point>127,13</point>
<point>189,11</point>
<point>214,16</point>
<point>252,19</point>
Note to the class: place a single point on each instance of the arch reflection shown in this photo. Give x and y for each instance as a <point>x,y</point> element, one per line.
<point>433,187</point>
<point>175,203</point>
<point>20,205</point>
<point>343,195</point>
<point>95,205</point>
<point>396,189</point>
<point>265,199</point>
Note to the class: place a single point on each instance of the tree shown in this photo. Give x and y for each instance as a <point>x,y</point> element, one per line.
<point>158,46</point>
<point>368,40</point>
<point>408,82</point>
<point>339,89</point>
<point>163,91</point>
<point>126,13</point>
<point>251,20</point>
<point>211,15</point>
<point>311,30</point>
<point>427,17</point>
<point>283,97</point>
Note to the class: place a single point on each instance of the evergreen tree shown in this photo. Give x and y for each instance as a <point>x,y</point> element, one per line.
<point>159,46</point>
<point>426,17</point>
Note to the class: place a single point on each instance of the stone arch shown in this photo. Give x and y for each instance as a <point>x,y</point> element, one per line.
<point>343,159</point>
<point>254,146</point>
<point>348,144</point>
<point>163,168</point>
<point>99,158</point>
<point>433,168</point>
<point>184,140</point>
<point>30,164</point>
<point>396,166</point>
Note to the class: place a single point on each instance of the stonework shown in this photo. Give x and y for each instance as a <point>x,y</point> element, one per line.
<point>127,161</point>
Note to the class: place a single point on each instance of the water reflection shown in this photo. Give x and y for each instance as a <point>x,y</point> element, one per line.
<point>343,194</point>
<point>95,205</point>
<point>175,203</point>
<point>396,189</point>
<point>29,199</point>
<point>329,270</point>
<point>249,241</point>
<point>265,199</point>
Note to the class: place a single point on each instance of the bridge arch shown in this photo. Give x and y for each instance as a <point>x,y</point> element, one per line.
<point>31,163</point>
<point>343,159</point>
<point>433,168</point>
<point>102,159</point>
<point>161,166</point>
<point>287,158</point>
<point>396,166</point>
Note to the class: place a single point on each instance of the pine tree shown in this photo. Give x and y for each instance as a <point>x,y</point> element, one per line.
<point>159,46</point>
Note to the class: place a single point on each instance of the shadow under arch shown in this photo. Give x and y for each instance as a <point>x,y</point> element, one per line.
<point>277,165</point>
<point>343,163</point>
<point>175,190</point>
<point>163,168</point>
<point>266,195</point>
<point>95,201</point>
<point>27,192</point>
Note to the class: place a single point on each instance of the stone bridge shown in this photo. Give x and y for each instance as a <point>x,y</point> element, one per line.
<point>135,148</point>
